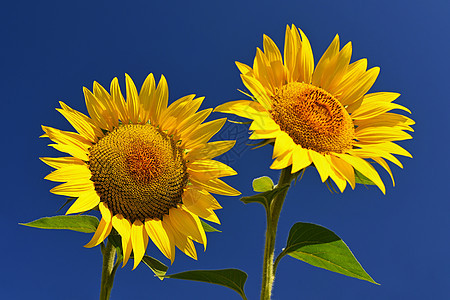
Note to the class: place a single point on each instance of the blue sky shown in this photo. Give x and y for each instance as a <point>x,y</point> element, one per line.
<point>51,49</point>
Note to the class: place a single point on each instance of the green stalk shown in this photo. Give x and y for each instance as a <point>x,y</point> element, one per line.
<point>273,214</point>
<point>108,270</point>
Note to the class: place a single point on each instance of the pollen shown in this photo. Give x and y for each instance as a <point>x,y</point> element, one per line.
<point>313,118</point>
<point>138,171</point>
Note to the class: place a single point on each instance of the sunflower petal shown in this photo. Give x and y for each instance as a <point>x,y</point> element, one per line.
<point>210,150</point>
<point>216,186</point>
<point>300,159</point>
<point>162,238</point>
<point>184,222</point>
<point>104,227</point>
<point>73,188</point>
<point>181,241</point>
<point>132,99</point>
<point>365,168</point>
<point>139,239</point>
<point>86,201</point>
<point>123,227</point>
<point>70,172</point>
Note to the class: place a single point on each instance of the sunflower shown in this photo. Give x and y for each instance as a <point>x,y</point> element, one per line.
<point>323,115</point>
<point>147,167</point>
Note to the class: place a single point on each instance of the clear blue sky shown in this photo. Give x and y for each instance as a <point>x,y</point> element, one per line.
<point>50,49</point>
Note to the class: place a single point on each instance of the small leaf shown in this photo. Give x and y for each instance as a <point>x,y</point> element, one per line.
<point>230,278</point>
<point>208,228</point>
<point>266,197</point>
<point>262,184</point>
<point>81,223</point>
<point>156,266</point>
<point>360,178</point>
<point>320,247</point>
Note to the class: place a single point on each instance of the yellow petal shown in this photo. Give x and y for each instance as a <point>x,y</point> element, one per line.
<point>207,169</point>
<point>186,127</point>
<point>300,159</point>
<point>365,168</point>
<point>360,87</point>
<point>161,238</point>
<point>387,120</point>
<point>282,161</point>
<point>343,168</point>
<point>244,69</point>
<point>86,201</point>
<point>202,133</point>
<point>264,134</point>
<point>199,197</point>
<point>61,162</point>
<point>72,150</point>
<point>380,134</point>
<point>172,115</point>
<point>70,172</point>
<point>110,112</point>
<point>321,67</point>
<point>161,99</point>
<point>244,108</point>
<point>67,138</point>
<point>275,60</point>
<point>104,227</point>
<point>210,150</point>
<point>132,99</point>
<point>283,143</point>
<point>73,188</point>
<point>338,179</point>
<point>139,239</point>
<point>82,124</point>
<point>291,48</point>
<point>306,60</point>
<point>321,164</point>
<point>262,71</point>
<point>259,91</point>
<point>216,186</point>
<point>201,203</point>
<point>96,110</point>
<point>185,223</point>
<point>337,69</point>
<point>123,227</point>
<point>181,241</point>
<point>119,102</point>
<point>384,164</point>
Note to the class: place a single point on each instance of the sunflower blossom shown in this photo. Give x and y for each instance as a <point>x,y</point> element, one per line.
<point>146,166</point>
<point>321,115</point>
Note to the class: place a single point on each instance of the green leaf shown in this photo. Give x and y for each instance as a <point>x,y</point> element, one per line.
<point>156,266</point>
<point>81,223</point>
<point>230,278</point>
<point>266,197</point>
<point>262,184</point>
<point>321,247</point>
<point>208,228</point>
<point>360,178</point>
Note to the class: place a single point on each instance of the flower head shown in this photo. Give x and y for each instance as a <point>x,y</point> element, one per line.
<point>146,166</point>
<point>321,115</point>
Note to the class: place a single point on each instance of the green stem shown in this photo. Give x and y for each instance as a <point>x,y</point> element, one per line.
<point>108,270</point>
<point>273,214</point>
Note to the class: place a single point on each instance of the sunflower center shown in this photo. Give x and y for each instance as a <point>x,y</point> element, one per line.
<point>138,171</point>
<point>313,118</point>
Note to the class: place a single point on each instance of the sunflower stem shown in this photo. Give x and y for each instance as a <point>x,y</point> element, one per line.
<point>108,270</point>
<point>273,214</point>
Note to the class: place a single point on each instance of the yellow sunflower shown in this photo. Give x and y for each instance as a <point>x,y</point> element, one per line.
<point>146,166</point>
<point>321,115</point>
